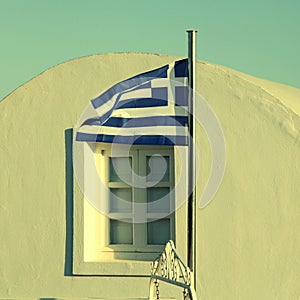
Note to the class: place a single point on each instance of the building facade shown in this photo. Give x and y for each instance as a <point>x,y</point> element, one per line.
<point>53,240</point>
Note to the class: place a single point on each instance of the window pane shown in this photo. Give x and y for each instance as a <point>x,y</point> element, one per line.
<point>120,232</point>
<point>158,167</point>
<point>158,232</point>
<point>158,199</point>
<point>120,169</point>
<point>120,200</point>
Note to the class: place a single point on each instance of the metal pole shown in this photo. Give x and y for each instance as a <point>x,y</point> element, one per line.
<point>191,156</point>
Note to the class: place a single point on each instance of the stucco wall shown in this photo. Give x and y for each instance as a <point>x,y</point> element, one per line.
<point>247,237</point>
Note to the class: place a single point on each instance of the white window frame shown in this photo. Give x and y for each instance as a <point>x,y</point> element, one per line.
<point>91,252</point>
<point>140,245</point>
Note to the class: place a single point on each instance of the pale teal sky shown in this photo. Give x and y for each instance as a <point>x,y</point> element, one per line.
<point>261,38</point>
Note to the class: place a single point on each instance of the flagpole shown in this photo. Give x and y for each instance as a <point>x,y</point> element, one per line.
<point>191,154</point>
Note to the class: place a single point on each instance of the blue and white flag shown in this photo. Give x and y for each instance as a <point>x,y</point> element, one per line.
<point>148,109</point>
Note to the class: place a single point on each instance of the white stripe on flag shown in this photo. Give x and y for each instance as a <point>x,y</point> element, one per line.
<point>155,130</point>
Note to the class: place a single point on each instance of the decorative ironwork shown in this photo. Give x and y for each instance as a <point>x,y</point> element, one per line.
<point>170,268</point>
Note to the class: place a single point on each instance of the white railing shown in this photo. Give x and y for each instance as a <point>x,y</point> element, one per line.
<point>168,267</point>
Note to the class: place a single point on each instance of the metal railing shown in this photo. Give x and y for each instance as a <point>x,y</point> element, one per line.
<point>168,267</point>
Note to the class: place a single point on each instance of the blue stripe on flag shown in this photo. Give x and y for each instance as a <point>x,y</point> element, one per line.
<point>146,121</point>
<point>133,140</point>
<point>141,102</point>
<point>181,95</point>
<point>181,68</point>
<point>160,93</point>
<point>138,122</point>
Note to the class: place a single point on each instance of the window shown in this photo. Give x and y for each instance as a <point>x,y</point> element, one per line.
<point>137,196</point>
<point>139,205</point>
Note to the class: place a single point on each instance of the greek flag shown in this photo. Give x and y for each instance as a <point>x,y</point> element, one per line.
<point>147,109</point>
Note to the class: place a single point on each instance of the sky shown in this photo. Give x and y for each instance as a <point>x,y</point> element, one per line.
<point>260,38</point>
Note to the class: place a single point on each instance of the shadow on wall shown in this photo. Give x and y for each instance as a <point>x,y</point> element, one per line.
<point>47,298</point>
<point>69,204</point>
